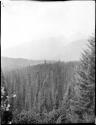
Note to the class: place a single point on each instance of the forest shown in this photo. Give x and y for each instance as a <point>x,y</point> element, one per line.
<point>59,92</point>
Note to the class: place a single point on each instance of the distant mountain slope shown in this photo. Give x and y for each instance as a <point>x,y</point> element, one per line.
<point>16,63</point>
<point>8,64</point>
<point>50,49</point>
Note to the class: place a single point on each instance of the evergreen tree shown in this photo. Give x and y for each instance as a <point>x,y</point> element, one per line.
<point>85,107</point>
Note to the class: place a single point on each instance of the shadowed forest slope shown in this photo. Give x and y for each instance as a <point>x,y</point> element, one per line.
<point>41,87</point>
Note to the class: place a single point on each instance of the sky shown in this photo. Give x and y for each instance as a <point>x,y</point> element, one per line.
<point>37,30</point>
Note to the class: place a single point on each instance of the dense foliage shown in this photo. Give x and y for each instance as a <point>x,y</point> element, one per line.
<point>6,108</point>
<point>86,84</point>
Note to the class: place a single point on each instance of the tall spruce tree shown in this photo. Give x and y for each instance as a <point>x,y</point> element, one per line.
<point>85,107</point>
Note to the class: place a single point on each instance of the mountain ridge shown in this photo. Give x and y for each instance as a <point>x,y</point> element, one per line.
<point>8,63</point>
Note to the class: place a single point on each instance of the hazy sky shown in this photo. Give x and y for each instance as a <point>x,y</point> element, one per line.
<point>44,27</point>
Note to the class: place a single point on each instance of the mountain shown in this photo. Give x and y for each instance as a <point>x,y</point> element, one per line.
<point>73,51</point>
<point>49,49</point>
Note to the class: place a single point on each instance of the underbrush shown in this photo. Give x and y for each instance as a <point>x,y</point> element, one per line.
<point>30,117</point>
<point>26,117</point>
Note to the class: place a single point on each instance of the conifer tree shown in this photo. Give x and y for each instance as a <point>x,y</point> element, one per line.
<point>85,107</point>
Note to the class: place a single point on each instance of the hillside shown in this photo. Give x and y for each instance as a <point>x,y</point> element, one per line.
<point>50,49</point>
<point>43,82</point>
<point>9,64</point>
